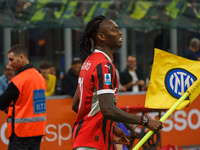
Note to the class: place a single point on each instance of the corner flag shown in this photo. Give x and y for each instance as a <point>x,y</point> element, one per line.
<point>170,78</point>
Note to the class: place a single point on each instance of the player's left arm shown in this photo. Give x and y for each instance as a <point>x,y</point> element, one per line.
<point>75,102</point>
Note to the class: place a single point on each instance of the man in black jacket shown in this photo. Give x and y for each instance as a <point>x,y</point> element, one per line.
<point>70,79</point>
<point>131,78</point>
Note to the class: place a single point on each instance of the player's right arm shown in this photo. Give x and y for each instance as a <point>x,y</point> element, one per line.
<point>110,111</point>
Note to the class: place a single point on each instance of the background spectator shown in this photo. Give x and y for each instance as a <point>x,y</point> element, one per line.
<point>70,79</point>
<point>8,73</point>
<point>52,70</point>
<point>131,78</point>
<point>147,80</point>
<point>49,78</point>
<point>121,88</point>
<point>191,51</point>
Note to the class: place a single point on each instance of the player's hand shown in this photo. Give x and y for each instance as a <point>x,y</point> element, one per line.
<point>120,137</point>
<point>155,125</point>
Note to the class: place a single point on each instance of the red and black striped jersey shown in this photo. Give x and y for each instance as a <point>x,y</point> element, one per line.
<point>91,129</point>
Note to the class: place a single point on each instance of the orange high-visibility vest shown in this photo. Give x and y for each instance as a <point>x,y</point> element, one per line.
<point>27,117</point>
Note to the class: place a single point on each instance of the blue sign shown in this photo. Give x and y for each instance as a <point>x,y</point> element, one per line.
<point>39,103</point>
<point>177,81</point>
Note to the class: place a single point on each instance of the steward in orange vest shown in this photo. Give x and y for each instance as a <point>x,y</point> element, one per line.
<point>25,97</point>
<point>29,111</point>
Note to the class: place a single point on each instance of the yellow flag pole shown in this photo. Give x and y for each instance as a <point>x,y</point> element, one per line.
<point>169,112</point>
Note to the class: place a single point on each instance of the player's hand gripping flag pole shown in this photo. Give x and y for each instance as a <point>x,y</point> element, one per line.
<point>167,86</point>
<point>169,112</point>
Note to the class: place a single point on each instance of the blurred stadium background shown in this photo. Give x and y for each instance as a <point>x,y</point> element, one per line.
<point>50,28</point>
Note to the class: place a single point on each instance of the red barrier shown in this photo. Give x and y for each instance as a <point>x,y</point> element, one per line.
<point>179,130</point>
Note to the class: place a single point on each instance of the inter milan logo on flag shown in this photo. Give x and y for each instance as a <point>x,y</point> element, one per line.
<point>107,77</point>
<point>177,81</point>
<point>171,76</point>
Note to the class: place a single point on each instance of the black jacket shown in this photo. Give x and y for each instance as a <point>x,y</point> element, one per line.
<point>126,78</point>
<point>69,83</point>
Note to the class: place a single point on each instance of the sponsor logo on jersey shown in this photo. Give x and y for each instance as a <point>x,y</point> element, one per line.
<point>107,77</point>
<point>177,81</point>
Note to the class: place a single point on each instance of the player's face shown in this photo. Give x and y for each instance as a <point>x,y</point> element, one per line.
<point>112,35</point>
<point>15,61</point>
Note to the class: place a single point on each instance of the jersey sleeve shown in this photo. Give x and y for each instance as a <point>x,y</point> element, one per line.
<point>105,78</point>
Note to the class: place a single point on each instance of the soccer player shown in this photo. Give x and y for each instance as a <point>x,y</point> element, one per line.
<point>95,97</point>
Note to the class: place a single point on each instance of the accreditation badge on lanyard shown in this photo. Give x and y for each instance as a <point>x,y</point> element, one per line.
<point>39,103</point>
